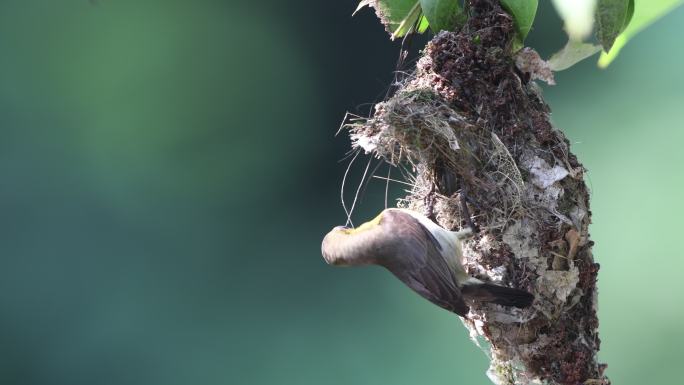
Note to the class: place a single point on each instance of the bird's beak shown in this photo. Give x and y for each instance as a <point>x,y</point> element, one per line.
<point>335,246</point>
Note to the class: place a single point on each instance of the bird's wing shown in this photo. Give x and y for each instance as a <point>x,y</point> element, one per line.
<point>422,266</point>
<point>428,283</point>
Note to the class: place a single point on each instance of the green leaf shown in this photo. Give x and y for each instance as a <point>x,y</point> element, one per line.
<point>630,14</point>
<point>408,23</point>
<point>612,17</point>
<point>573,52</point>
<point>523,12</point>
<point>645,12</point>
<point>423,24</point>
<point>442,14</point>
<point>399,17</point>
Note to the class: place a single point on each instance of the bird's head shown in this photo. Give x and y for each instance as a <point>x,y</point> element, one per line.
<point>346,246</point>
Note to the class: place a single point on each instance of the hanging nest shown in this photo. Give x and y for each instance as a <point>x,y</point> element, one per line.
<point>473,127</point>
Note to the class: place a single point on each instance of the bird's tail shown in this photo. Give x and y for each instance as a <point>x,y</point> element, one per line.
<point>501,295</point>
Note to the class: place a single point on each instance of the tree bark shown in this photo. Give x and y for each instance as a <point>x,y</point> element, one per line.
<point>474,133</point>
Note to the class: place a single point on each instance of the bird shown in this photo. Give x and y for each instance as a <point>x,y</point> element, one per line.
<point>424,256</point>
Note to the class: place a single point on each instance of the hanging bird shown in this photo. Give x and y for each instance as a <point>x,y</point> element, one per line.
<point>423,255</point>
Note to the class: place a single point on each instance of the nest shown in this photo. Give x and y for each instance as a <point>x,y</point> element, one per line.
<point>418,130</point>
<point>474,134</point>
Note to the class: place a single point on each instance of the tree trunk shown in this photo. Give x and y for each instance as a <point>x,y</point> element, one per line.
<point>474,133</point>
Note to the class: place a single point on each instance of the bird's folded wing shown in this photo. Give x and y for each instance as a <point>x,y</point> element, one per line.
<point>424,269</point>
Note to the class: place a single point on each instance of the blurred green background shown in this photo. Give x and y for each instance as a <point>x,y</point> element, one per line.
<point>168,169</point>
